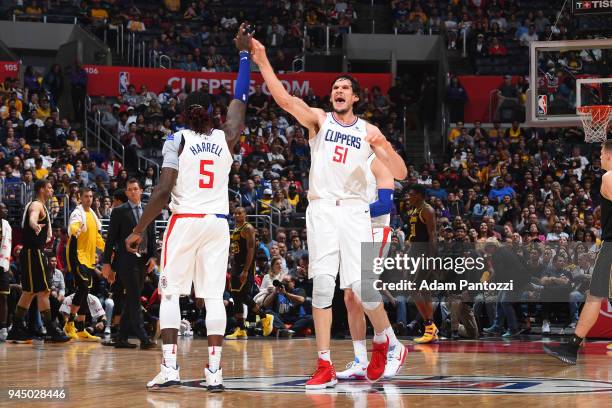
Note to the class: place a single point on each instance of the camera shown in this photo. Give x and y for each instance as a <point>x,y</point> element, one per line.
<point>278,284</point>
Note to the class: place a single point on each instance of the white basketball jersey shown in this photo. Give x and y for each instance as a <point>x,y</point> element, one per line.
<point>372,193</point>
<point>339,156</point>
<point>203,174</point>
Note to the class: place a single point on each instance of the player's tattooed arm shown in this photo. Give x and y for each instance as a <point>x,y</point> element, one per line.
<point>235,122</point>
<point>159,198</point>
<point>248,234</point>
<point>307,116</point>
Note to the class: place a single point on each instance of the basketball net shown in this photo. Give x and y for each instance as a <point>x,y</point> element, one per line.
<point>595,120</point>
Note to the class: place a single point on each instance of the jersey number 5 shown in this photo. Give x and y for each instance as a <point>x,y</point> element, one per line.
<point>340,154</point>
<point>208,177</point>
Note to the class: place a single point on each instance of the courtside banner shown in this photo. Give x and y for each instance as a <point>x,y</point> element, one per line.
<point>9,69</point>
<point>591,6</point>
<point>113,81</point>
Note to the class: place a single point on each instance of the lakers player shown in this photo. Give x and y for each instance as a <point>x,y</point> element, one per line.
<point>380,195</point>
<point>338,214</point>
<point>601,282</point>
<point>243,276</point>
<point>195,172</point>
<point>422,223</point>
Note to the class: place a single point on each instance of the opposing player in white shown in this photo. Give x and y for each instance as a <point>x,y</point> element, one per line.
<point>380,195</point>
<point>195,172</point>
<point>338,214</point>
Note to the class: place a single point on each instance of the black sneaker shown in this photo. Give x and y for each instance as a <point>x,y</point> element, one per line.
<point>18,335</point>
<point>563,352</point>
<point>55,335</point>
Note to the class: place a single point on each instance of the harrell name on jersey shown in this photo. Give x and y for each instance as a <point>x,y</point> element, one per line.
<point>339,155</point>
<point>203,173</point>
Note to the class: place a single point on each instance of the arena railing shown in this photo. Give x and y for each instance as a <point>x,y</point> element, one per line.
<point>276,211</point>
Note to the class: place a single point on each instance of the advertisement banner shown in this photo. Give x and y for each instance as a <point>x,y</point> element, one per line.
<point>591,6</point>
<point>9,69</point>
<point>112,81</point>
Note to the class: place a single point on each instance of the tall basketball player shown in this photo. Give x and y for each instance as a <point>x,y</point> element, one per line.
<point>422,223</point>
<point>243,276</point>
<point>35,276</point>
<point>601,282</point>
<point>338,214</point>
<point>195,172</point>
<point>380,196</point>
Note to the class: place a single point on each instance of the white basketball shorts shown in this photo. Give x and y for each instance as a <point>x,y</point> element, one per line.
<point>195,250</point>
<point>336,230</point>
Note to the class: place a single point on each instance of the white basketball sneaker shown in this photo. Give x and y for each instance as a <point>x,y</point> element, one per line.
<point>214,381</point>
<point>395,359</point>
<point>355,370</point>
<point>3,334</point>
<point>167,377</point>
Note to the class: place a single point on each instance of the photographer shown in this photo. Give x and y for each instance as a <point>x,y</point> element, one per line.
<point>286,304</point>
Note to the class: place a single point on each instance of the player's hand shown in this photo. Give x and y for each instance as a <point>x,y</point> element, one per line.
<point>132,242</point>
<point>243,38</point>
<point>106,271</point>
<point>243,277</point>
<point>37,229</point>
<point>376,139</point>
<point>258,52</point>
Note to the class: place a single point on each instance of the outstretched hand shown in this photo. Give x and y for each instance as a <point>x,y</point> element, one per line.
<point>242,39</point>
<point>258,52</point>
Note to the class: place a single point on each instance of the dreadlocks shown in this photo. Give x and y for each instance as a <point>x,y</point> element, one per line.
<point>197,111</point>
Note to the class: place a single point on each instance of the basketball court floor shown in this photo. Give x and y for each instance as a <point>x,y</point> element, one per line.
<point>271,373</point>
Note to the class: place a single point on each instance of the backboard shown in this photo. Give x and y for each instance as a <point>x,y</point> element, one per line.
<point>564,75</point>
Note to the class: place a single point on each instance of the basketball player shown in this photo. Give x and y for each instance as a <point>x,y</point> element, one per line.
<point>422,222</point>
<point>601,282</point>
<point>243,276</point>
<point>195,171</point>
<point>84,229</point>
<point>35,274</point>
<point>338,214</point>
<point>6,237</point>
<point>380,195</point>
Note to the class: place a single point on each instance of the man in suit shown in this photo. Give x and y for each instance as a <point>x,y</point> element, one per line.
<point>130,267</point>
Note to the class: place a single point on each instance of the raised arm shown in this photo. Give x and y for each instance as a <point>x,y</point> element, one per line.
<point>307,116</point>
<point>237,108</point>
<point>385,152</point>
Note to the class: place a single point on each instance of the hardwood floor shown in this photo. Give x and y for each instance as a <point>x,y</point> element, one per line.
<point>269,373</point>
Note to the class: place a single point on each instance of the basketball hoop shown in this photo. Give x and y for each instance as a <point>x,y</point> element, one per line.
<point>595,121</point>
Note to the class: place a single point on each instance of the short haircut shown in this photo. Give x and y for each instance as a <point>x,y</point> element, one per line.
<point>354,83</point>
<point>133,180</point>
<point>84,190</point>
<point>119,195</point>
<point>418,188</point>
<point>40,184</point>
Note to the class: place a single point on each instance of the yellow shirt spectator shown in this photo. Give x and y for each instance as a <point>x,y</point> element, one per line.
<point>98,13</point>
<point>77,145</point>
<point>41,173</point>
<point>173,5</point>
<point>87,241</point>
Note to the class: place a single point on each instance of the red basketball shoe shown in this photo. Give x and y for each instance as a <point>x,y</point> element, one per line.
<point>323,377</point>
<point>378,361</point>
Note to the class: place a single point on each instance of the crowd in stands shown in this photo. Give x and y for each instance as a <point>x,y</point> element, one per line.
<point>496,184</point>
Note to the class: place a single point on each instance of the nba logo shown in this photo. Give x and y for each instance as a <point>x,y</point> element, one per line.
<point>124,82</point>
<point>542,104</point>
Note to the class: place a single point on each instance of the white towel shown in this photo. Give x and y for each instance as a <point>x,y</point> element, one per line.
<point>78,215</point>
<point>6,248</point>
